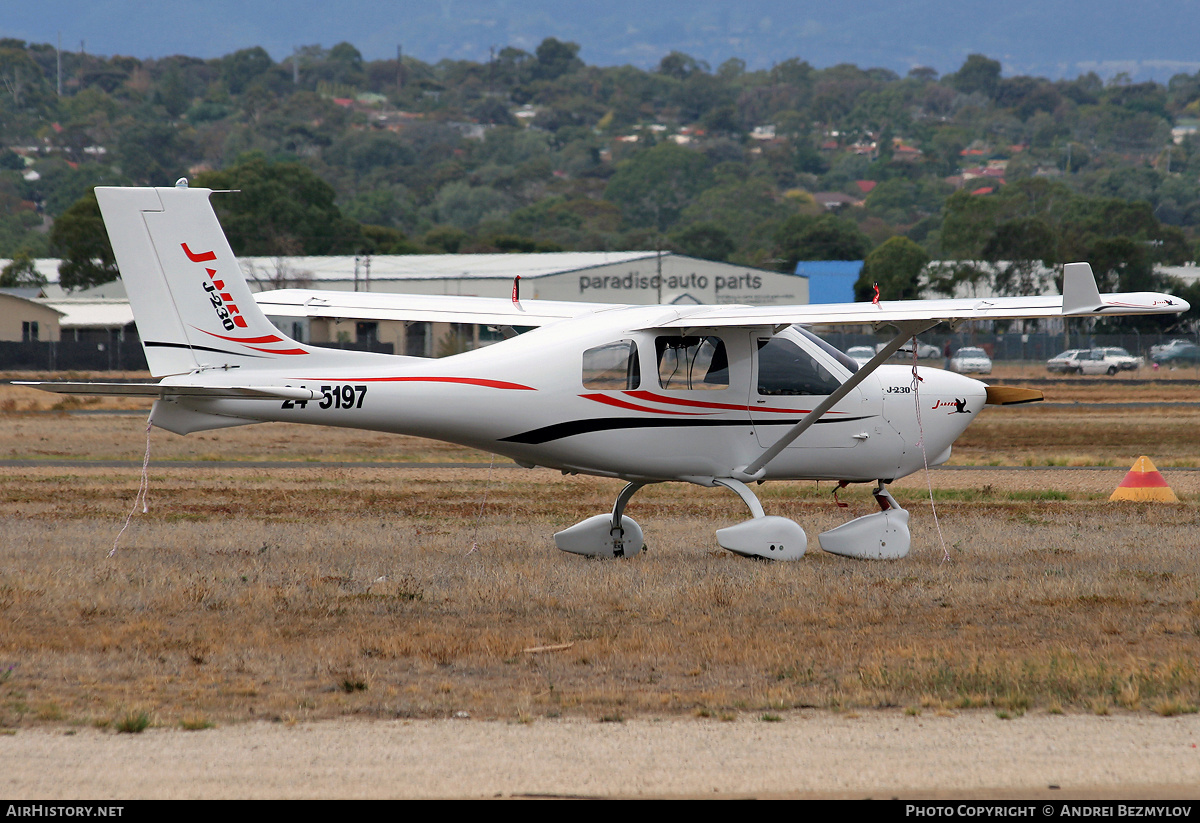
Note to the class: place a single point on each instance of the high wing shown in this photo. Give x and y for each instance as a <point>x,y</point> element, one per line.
<point>1080,298</point>
<point>434,308</point>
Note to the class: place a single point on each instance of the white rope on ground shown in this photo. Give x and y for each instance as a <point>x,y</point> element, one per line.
<point>479,517</point>
<point>925,457</point>
<point>142,492</point>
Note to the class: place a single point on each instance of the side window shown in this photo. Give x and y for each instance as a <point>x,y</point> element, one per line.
<point>785,368</point>
<point>692,363</point>
<point>613,366</point>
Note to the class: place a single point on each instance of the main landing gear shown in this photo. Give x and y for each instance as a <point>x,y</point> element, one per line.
<point>883,535</point>
<point>605,535</point>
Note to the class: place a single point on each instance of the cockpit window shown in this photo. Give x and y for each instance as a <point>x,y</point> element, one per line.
<point>785,368</point>
<point>613,366</point>
<point>692,363</point>
<point>850,364</point>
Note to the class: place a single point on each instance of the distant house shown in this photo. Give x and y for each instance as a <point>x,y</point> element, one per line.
<point>24,320</point>
<point>833,200</point>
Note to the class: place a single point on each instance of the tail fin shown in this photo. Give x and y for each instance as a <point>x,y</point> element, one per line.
<point>190,300</point>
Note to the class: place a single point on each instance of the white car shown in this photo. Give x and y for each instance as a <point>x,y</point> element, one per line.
<point>1124,360</point>
<point>971,360</point>
<point>860,354</point>
<point>925,351</point>
<point>1065,363</point>
<point>1092,361</point>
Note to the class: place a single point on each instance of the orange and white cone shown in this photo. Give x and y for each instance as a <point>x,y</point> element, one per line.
<point>1143,483</point>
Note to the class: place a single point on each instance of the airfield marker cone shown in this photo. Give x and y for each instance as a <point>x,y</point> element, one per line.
<point>1144,483</point>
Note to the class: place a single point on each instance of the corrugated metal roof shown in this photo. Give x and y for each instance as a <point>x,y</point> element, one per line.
<point>92,314</point>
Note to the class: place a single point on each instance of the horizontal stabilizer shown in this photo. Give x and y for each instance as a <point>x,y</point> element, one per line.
<point>159,390</point>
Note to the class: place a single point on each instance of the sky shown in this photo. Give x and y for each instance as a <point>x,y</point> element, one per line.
<point>1149,39</point>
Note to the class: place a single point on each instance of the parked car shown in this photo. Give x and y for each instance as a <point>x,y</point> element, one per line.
<point>860,354</point>
<point>1124,360</point>
<point>1187,354</point>
<point>971,360</point>
<point>1163,348</point>
<point>1064,363</point>
<point>1108,360</point>
<point>925,351</point>
<point>1093,361</point>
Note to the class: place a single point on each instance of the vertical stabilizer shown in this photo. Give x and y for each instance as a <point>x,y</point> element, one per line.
<point>190,300</point>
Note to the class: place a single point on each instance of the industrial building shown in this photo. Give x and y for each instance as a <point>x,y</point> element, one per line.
<point>640,277</point>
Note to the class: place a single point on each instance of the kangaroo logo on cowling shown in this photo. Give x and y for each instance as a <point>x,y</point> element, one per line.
<point>222,301</point>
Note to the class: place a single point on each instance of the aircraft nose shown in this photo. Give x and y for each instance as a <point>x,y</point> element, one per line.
<point>941,384</point>
<point>947,403</point>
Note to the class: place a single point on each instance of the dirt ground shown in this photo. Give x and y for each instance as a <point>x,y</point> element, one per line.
<point>881,754</point>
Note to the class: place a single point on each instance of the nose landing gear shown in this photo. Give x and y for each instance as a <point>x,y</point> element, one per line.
<point>880,536</point>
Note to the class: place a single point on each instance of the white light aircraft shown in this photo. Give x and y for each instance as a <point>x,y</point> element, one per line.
<point>721,395</point>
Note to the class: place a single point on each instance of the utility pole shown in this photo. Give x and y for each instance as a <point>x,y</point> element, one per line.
<point>658,265</point>
<point>58,60</point>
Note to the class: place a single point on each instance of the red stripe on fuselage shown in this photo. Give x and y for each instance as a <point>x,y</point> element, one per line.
<point>704,404</point>
<point>622,404</point>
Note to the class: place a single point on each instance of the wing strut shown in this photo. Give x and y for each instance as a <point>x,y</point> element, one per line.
<point>907,329</point>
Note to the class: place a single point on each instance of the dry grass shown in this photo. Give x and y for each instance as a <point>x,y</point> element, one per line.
<point>315,592</point>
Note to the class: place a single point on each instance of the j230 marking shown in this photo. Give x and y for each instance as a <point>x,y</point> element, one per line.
<point>899,389</point>
<point>219,305</point>
<point>333,397</point>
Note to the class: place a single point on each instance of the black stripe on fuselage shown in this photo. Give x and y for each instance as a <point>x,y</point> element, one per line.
<point>151,343</point>
<point>571,428</point>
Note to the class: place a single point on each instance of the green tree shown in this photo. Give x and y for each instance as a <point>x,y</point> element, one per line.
<point>680,66</point>
<point>79,238</point>
<point>279,209</point>
<point>1015,249</point>
<point>655,185</point>
<point>154,154</point>
<point>896,266</point>
<point>20,272</point>
<point>705,240</point>
<point>978,74</point>
<point>823,237</point>
<point>556,58</point>
<point>243,67</point>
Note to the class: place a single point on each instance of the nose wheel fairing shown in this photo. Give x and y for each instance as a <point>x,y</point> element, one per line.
<point>883,535</point>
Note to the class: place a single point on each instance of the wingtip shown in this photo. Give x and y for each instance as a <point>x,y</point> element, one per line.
<point>1080,293</point>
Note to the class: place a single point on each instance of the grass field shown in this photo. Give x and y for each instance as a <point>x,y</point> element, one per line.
<point>316,591</point>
